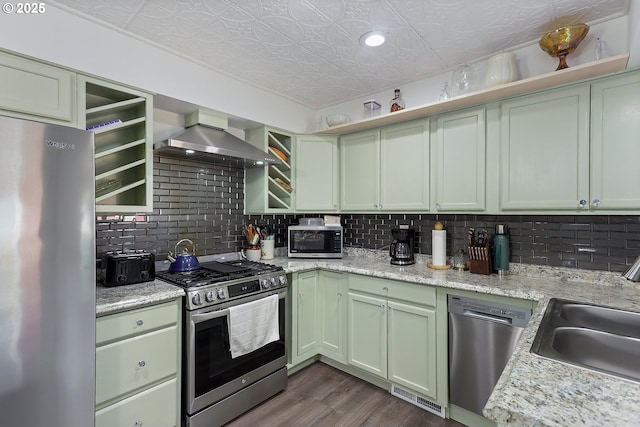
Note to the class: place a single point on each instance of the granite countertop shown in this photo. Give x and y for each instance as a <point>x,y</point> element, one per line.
<point>111,300</point>
<point>532,391</point>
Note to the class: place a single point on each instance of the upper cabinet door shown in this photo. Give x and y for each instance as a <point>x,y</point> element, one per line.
<point>316,173</point>
<point>404,166</point>
<point>360,171</point>
<point>458,164</point>
<point>36,91</point>
<point>544,148</point>
<point>615,148</point>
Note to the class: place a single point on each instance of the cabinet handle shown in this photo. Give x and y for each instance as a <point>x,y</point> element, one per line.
<point>582,203</point>
<point>385,289</point>
<point>339,295</point>
<point>140,322</point>
<point>375,206</point>
<point>142,364</point>
<point>596,202</point>
<point>379,206</point>
<point>438,206</point>
<point>138,424</point>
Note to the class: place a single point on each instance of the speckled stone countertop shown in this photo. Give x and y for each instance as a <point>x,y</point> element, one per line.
<point>532,391</point>
<point>120,298</point>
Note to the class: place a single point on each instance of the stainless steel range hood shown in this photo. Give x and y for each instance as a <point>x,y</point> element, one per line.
<point>204,140</point>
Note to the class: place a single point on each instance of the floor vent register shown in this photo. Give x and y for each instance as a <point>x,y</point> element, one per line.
<point>419,401</point>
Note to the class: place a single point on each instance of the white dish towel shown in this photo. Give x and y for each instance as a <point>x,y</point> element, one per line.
<point>253,325</point>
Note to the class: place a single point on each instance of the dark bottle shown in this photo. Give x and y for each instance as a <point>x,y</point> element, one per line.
<point>501,248</point>
<point>397,103</point>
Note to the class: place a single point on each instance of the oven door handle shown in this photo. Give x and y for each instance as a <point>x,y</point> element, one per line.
<point>197,318</point>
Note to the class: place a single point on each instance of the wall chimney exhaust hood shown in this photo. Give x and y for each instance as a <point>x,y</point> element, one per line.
<point>205,140</point>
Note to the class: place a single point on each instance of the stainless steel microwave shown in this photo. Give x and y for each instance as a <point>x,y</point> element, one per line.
<point>315,241</point>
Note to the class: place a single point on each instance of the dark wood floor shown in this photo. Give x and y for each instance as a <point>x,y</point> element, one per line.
<point>323,396</point>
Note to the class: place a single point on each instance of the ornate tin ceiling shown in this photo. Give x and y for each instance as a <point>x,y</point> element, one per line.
<point>309,50</point>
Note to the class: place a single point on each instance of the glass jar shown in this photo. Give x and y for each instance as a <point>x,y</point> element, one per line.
<point>460,260</point>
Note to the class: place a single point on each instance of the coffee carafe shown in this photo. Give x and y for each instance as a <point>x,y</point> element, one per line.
<point>401,250</point>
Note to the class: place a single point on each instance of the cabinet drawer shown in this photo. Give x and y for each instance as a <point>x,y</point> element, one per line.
<point>136,322</point>
<point>157,407</point>
<point>127,365</point>
<point>420,294</point>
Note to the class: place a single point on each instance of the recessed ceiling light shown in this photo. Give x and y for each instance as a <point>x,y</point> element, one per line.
<point>372,38</point>
<point>189,151</point>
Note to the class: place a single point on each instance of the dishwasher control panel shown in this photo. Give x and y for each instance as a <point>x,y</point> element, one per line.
<point>490,311</point>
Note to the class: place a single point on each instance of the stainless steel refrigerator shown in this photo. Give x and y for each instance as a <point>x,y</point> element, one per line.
<point>47,275</point>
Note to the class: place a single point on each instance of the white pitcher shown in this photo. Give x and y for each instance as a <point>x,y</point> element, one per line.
<point>501,69</point>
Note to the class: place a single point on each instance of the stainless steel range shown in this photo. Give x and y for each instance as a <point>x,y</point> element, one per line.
<point>218,383</point>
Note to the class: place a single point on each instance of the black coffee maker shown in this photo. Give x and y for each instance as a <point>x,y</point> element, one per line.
<point>401,250</point>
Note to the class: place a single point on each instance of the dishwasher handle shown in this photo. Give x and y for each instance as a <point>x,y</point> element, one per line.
<point>489,317</point>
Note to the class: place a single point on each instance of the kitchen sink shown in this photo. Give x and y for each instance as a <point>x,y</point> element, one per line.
<point>606,319</point>
<point>599,338</point>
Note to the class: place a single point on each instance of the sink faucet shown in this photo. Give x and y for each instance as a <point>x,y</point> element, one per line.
<point>633,273</point>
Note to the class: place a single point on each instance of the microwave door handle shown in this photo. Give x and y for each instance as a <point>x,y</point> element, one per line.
<point>196,318</point>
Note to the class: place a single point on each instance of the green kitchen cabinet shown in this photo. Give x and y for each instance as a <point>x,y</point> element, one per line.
<point>332,311</point>
<point>316,173</point>
<point>270,189</point>
<point>122,121</point>
<point>360,171</point>
<point>392,332</point>
<point>374,166</point>
<point>37,91</point>
<point>412,349</point>
<point>368,333</point>
<point>304,316</point>
<point>138,357</point>
<point>544,147</point>
<point>615,147</point>
<point>458,161</point>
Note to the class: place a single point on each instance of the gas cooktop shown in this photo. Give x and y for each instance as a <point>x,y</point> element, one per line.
<point>217,273</point>
<point>217,282</point>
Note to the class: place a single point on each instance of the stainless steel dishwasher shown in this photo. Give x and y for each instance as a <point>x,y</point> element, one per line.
<point>482,337</point>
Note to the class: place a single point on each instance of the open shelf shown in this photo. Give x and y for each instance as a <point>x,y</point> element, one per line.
<point>520,87</point>
<point>123,155</point>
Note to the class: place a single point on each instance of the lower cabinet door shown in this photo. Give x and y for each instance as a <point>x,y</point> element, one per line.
<point>412,347</point>
<point>368,333</point>
<point>131,364</point>
<point>155,407</point>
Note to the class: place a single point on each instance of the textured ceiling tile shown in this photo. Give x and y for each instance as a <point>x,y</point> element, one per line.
<point>309,50</point>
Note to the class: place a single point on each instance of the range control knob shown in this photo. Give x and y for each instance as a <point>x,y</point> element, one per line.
<point>273,282</point>
<point>208,296</point>
<point>220,293</point>
<point>283,280</point>
<point>264,283</point>
<point>196,300</point>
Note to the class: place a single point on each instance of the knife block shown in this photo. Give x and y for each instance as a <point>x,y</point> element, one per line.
<point>480,260</point>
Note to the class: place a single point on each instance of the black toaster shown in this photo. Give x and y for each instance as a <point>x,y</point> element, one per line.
<point>126,268</point>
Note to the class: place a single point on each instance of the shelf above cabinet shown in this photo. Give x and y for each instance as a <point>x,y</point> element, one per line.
<point>545,81</point>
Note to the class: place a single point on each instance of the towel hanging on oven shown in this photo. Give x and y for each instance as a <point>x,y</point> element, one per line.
<point>253,325</point>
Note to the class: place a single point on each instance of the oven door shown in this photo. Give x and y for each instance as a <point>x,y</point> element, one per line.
<point>211,373</point>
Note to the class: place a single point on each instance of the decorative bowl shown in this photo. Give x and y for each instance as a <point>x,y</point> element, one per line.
<point>563,41</point>
<point>338,119</point>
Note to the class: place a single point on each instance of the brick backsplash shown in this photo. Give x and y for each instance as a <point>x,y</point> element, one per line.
<point>205,203</point>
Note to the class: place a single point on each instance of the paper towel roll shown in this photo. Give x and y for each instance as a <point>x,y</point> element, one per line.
<point>439,247</point>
